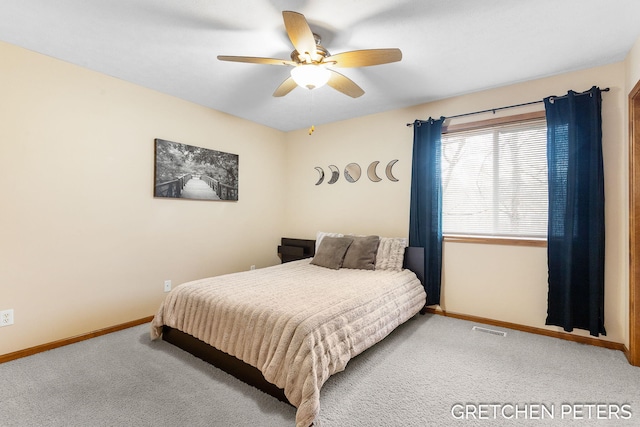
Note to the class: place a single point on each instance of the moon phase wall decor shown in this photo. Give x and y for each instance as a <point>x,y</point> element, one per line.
<point>389,170</point>
<point>371,172</point>
<point>335,174</point>
<point>321,177</point>
<point>353,172</point>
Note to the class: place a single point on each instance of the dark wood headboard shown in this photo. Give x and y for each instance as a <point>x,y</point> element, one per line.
<point>294,249</point>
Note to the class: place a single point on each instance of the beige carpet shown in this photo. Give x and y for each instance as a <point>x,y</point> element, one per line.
<point>432,371</point>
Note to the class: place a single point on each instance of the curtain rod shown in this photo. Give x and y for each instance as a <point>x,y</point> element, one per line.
<point>512,106</point>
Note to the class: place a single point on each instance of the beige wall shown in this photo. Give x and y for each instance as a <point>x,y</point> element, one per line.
<point>505,283</point>
<point>83,244</point>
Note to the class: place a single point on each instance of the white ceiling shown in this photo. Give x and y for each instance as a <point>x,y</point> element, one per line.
<point>450,47</point>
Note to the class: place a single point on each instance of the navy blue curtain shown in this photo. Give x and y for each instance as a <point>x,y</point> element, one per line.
<point>425,215</point>
<point>576,212</point>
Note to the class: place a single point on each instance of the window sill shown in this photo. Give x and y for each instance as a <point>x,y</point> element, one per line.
<point>492,240</point>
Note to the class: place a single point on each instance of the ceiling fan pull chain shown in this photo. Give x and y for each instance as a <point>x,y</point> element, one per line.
<point>311,108</point>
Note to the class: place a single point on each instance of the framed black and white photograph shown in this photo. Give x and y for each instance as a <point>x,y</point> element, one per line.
<point>187,172</point>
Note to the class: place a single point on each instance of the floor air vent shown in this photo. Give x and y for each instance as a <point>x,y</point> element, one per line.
<point>489,331</point>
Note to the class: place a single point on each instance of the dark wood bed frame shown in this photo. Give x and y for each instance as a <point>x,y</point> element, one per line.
<point>413,260</point>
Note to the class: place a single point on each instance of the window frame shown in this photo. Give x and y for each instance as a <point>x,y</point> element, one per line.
<point>494,240</point>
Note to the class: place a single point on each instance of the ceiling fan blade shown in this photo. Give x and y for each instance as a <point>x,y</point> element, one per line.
<point>256,60</point>
<point>364,58</point>
<point>287,86</point>
<point>299,33</point>
<point>344,84</point>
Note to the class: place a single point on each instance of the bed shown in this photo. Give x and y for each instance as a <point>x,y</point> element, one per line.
<point>287,328</point>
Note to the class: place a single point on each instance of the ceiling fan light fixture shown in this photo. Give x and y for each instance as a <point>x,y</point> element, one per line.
<point>311,76</point>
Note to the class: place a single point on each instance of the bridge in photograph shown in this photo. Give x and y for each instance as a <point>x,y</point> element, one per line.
<point>196,188</point>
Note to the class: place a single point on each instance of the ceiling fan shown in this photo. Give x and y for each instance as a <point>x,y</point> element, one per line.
<point>313,63</point>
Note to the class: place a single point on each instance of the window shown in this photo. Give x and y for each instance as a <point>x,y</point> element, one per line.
<point>494,180</point>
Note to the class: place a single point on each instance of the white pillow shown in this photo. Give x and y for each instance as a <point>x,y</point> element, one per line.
<point>390,254</point>
<point>321,234</point>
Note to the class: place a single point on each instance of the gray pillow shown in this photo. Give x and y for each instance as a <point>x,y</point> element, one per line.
<point>331,252</point>
<point>362,253</point>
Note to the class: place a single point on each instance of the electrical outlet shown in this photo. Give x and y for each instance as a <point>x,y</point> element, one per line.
<point>167,285</point>
<point>253,267</point>
<point>6,317</point>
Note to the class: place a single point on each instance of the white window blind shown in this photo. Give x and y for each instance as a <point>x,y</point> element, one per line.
<point>494,180</point>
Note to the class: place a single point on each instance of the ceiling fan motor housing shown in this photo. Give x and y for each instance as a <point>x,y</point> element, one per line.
<point>320,54</point>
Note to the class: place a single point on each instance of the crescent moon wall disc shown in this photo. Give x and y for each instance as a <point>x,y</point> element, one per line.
<point>321,175</point>
<point>335,174</point>
<point>371,172</point>
<point>389,170</point>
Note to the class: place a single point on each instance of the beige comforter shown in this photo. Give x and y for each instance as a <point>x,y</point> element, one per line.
<point>296,322</point>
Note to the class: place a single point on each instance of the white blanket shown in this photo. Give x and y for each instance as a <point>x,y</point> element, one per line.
<point>297,323</point>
